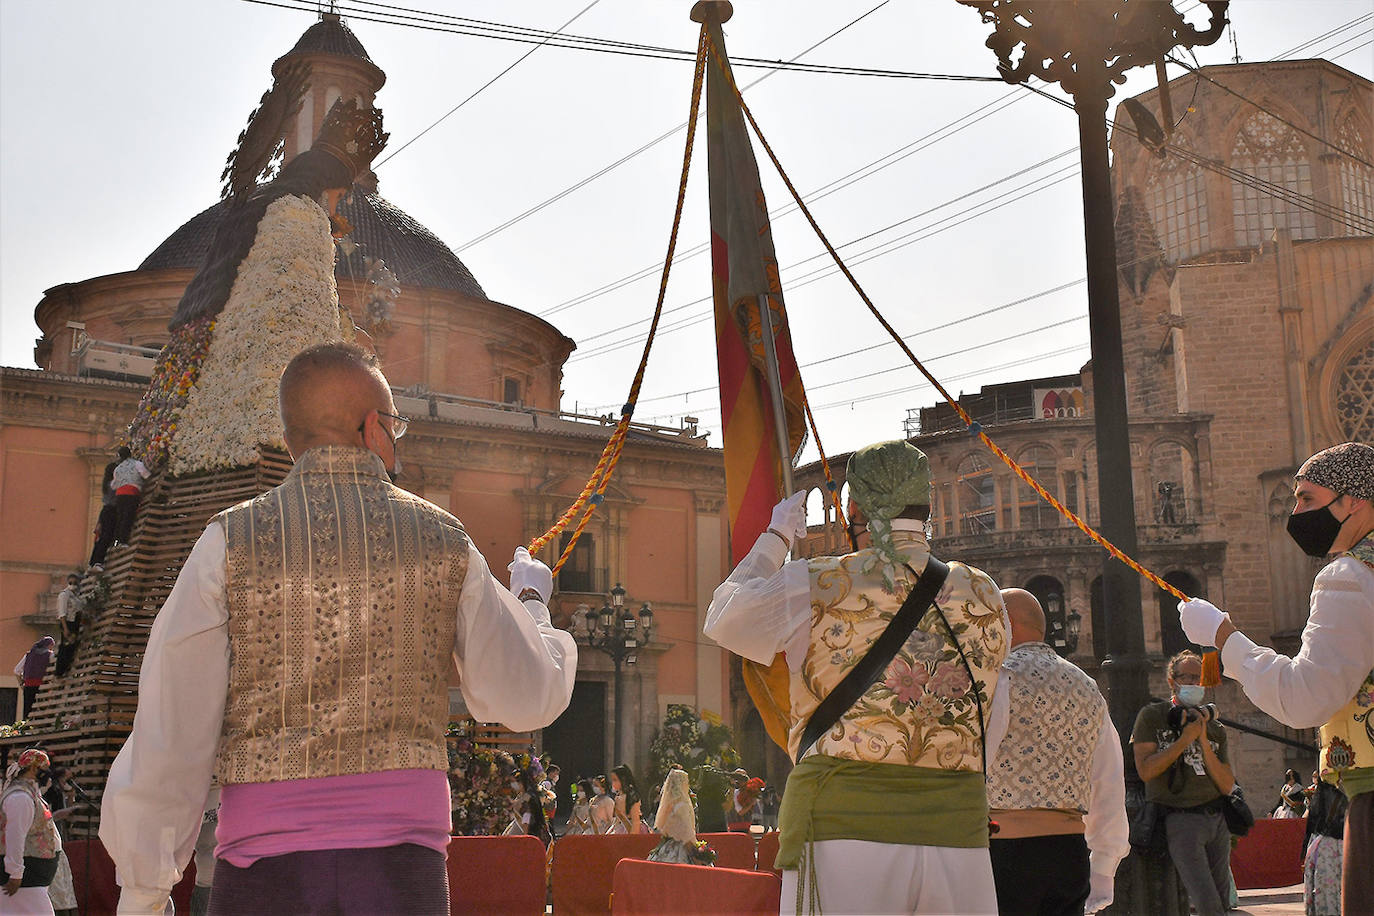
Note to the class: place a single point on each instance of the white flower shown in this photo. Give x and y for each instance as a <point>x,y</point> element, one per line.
<point>283,300</point>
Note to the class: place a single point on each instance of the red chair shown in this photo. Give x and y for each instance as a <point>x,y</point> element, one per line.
<point>676,890</point>
<point>496,874</point>
<point>733,850</point>
<point>584,870</point>
<point>93,879</point>
<point>768,853</point>
<point>1270,855</point>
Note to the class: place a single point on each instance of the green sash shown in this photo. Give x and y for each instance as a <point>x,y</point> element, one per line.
<point>830,798</point>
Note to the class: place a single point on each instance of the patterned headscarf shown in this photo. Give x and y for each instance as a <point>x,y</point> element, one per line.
<point>25,760</point>
<point>883,480</point>
<point>1347,468</point>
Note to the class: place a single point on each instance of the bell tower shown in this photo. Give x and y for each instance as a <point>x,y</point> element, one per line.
<point>339,68</point>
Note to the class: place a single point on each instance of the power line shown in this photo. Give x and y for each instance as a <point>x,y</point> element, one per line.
<point>605,170</point>
<point>519,60</point>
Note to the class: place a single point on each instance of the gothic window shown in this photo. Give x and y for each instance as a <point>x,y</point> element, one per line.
<point>1355,396</point>
<point>1177,197</point>
<point>1271,151</point>
<point>1039,462</point>
<point>1357,179</point>
<point>977,495</point>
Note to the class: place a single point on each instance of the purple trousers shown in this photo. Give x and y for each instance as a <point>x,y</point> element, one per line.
<point>401,880</point>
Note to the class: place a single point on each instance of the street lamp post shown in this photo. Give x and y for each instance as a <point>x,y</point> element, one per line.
<point>616,630</point>
<point>1086,46</point>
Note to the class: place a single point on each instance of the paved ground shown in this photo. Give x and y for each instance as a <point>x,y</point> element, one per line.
<point>1274,901</point>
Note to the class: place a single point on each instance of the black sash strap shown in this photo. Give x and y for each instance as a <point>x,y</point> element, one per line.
<point>878,656</point>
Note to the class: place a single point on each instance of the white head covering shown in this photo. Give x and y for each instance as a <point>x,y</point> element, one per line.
<point>675,816</point>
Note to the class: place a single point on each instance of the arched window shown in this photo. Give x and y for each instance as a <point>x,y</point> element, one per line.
<point>1355,396</point>
<point>1039,462</point>
<point>1357,179</point>
<point>977,495</point>
<point>1272,151</point>
<point>1177,196</point>
<point>1171,638</point>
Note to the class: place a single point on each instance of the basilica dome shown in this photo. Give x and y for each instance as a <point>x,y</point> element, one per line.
<point>380,230</point>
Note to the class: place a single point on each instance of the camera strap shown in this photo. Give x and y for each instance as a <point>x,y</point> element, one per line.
<point>875,661</point>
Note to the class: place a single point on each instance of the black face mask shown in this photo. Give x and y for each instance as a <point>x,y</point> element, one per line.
<point>1316,529</point>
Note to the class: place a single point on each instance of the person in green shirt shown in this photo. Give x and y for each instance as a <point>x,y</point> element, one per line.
<point>1180,752</point>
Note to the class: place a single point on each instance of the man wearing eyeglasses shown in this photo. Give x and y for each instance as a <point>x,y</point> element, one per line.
<point>302,658</point>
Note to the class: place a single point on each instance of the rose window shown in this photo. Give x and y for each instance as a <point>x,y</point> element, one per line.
<point>1355,396</point>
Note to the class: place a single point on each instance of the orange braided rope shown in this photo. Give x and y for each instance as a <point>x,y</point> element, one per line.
<point>973,427</point>
<point>593,493</point>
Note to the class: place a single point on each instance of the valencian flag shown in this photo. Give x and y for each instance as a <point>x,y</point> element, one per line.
<point>744,268</point>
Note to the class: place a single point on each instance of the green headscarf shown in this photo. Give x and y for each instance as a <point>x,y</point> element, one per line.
<point>884,479</point>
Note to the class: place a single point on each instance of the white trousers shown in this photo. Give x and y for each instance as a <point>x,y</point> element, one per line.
<point>858,877</point>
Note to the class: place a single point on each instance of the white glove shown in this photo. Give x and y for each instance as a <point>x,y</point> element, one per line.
<point>789,517</point>
<point>1200,620</point>
<point>527,572</point>
<point>1101,888</point>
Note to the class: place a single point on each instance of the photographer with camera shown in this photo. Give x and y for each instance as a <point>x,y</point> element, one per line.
<point>1180,752</point>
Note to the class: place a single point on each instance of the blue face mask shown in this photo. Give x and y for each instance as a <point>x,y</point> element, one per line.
<point>1191,694</point>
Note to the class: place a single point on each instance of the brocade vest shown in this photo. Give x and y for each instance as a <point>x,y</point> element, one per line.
<point>921,711</point>
<point>42,841</point>
<point>1045,758</point>
<point>1347,738</point>
<point>343,599</point>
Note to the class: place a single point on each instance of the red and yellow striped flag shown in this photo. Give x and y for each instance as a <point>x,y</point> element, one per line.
<point>744,268</point>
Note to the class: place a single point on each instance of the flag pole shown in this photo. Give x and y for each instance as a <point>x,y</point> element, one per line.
<point>770,359</point>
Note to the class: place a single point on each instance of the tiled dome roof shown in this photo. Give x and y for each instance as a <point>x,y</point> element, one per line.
<point>381,229</point>
<point>330,36</point>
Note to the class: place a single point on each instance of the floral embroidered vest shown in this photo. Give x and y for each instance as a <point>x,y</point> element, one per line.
<point>1056,710</point>
<point>42,841</point>
<point>1347,738</point>
<point>921,711</point>
<point>343,598</point>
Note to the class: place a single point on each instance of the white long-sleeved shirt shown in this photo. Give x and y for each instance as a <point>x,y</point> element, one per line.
<point>516,668</point>
<point>1337,651</point>
<point>1105,827</point>
<point>19,815</point>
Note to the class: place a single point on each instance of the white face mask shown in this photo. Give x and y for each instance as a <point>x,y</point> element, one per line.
<point>1191,694</point>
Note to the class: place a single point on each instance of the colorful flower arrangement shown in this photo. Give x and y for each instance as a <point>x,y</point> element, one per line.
<point>691,742</point>
<point>174,375</point>
<point>488,786</point>
<point>283,300</point>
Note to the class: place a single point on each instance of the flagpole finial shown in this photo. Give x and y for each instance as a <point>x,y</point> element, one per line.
<point>712,11</point>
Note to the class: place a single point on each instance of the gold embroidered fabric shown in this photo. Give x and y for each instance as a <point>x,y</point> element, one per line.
<point>343,595</point>
<point>921,711</point>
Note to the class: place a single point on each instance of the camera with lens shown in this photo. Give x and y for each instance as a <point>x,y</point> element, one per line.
<point>1178,716</point>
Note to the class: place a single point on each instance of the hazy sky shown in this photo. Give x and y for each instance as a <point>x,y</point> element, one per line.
<point>115,119</point>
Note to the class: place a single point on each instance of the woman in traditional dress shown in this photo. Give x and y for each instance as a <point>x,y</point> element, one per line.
<point>603,808</point>
<point>676,821</point>
<point>580,820</point>
<point>1321,867</point>
<point>1292,797</point>
<point>627,802</point>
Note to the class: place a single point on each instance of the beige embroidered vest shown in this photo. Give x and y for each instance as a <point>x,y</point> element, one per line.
<point>343,596</point>
<point>921,711</point>
<point>1055,717</point>
<point>42,841</point>
<point>1347,738</point>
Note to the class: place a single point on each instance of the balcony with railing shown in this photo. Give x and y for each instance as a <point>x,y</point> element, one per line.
<point>117,361</point>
